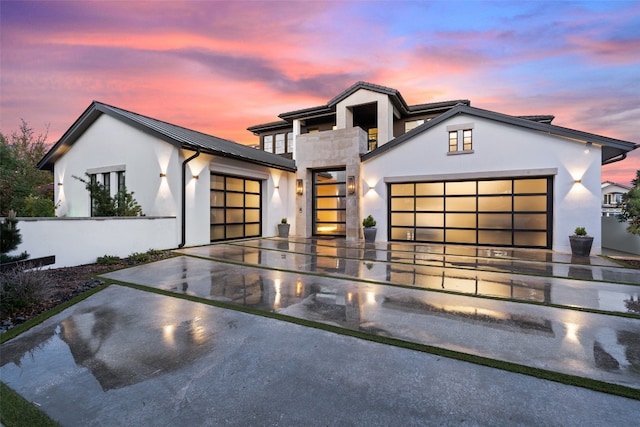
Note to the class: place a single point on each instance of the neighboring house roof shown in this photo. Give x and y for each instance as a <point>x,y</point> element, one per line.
<point>615,184</point>
<point>176,135</point>
<point>612,149</point>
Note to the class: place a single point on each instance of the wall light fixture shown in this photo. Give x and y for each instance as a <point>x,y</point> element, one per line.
<point>351,184</point>
<point>299,187</point>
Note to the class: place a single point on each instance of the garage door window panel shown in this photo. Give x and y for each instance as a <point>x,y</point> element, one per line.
<point>429,203</point>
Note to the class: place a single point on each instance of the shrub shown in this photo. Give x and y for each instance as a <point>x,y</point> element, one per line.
<point>21,287</point>
<point>138,257</point>
<point>580,231</point>
<point>283,221</point>
<point>369,222</point>
<point>155,252</point>
<point>108,260</point>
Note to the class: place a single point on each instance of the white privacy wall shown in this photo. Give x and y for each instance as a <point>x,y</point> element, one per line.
<point>498,149</point>
<point>78,241</point>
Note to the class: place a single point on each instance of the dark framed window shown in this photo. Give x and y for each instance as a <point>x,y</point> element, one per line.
<point>453,141</point>
<point>121,181</point>
<point>268,143</point>
<point>93,178</point>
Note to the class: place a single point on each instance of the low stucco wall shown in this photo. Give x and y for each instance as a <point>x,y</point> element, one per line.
<point>77,241</point>
<point>615,236</point>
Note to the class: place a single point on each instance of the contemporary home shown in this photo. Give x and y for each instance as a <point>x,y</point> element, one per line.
<point>444,172</point>
<point>612,198</point>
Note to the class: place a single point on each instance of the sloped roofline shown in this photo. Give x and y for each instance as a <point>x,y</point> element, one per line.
<point>176,135</point>
<point>612,148</point>
<point>395,96</point>
<point>606,183</point>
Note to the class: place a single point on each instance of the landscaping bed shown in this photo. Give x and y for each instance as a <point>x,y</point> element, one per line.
<point>66,283</point>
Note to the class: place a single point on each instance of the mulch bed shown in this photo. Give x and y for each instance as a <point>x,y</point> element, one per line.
<point>67,283</point>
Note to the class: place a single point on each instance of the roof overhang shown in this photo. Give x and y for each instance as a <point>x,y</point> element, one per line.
<point>612,149</point>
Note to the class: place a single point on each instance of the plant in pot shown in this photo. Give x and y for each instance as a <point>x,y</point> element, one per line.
<point>283,228</point>
<point>580,242</point>
<point>369,225</point>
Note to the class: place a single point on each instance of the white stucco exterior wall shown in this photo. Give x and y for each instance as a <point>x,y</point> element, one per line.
<point>344,116</point>
<point>109,143</point>
<point>497,149</point>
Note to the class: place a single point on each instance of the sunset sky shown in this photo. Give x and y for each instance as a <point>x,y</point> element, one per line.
<point>221,66</point>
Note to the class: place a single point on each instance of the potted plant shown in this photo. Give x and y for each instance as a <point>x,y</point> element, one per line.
<point>283,228</point>
<point>369,225</point>
<point>580,242</point>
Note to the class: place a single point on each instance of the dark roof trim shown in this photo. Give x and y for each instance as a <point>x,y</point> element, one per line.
<point>611,147</point>
<point>540,118</point>
<point>396,98</point>
<point>280,124</point>
<point>176,135</point>
<point>307,113</point>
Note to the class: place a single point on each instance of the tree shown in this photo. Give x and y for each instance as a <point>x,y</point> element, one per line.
<point>631,207</point>
<point>23,187</point>
<point>10,238</point>
<point>122,204</point>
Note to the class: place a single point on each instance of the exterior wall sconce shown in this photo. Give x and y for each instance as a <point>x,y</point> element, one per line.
<point>60,184</point>
<point>351,184</point>
<point>277,187</point>
<point>577,181</point>
<point>163,175</point>
<point>195,177</point>
<point>299,187</point>
<point>587,148</point>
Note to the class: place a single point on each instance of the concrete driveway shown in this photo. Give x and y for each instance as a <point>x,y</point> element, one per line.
<point>129,356</point>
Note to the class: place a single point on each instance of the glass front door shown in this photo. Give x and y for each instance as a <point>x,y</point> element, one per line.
<point>329,202</point>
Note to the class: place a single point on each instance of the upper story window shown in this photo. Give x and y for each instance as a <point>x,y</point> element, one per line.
<point>268,143</point>
<point>279,143</point>
<point>280,146</point>
<point>290,142</point>
<point>460,138</point>
<point>372,137</point>
<point>410,125</point>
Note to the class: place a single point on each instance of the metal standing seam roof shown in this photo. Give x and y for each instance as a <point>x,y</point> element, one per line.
<point>176,135</point>
<point>612,147</point>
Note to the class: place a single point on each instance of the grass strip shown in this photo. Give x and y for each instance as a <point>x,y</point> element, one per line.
<point>15,411</point>
<point>545,374</point>
<point>17,330</point>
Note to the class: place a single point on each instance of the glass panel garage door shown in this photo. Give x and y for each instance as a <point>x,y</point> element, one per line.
<point>236,207</point>
<point>500,212</point>
<point>329,202</point>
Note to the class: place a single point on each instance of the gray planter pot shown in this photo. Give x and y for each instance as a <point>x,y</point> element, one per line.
<point>283,230</point>
<point>580,245</point>
<point>370,234</point>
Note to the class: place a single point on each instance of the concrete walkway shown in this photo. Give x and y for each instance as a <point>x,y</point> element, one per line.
<point>131,357</point>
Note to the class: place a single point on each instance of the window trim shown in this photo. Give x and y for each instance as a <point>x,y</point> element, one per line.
<point>462,145</point>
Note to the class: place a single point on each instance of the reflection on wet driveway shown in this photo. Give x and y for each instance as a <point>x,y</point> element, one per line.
<point>118,347</point>
<point>594,345</point>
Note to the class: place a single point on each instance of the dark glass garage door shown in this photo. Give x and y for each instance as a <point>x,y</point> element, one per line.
<point>499,212</point>
<point>236,207</point>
